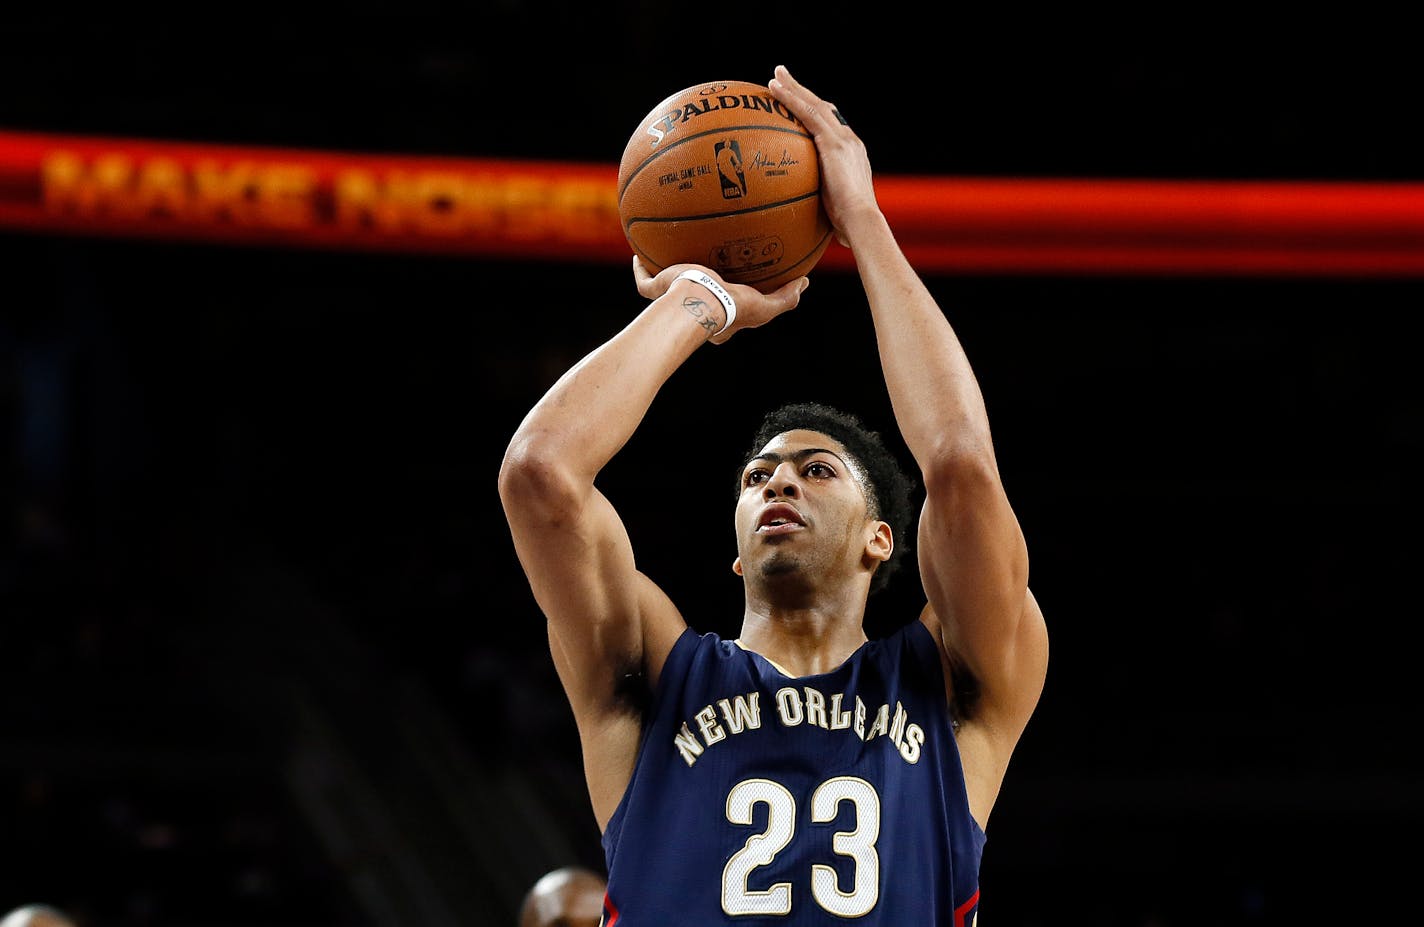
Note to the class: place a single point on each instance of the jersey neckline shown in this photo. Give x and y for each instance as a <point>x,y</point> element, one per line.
<point>737,642</point>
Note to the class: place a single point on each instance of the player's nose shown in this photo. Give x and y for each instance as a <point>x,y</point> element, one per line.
<point>784,481</point>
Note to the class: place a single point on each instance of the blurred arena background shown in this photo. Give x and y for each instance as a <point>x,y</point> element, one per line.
<point>269,659</point>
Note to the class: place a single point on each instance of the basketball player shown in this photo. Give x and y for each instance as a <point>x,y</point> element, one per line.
<point>799,774</point>
<point>571,896</point>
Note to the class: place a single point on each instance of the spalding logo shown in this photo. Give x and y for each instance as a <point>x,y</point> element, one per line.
<point>713,101</point>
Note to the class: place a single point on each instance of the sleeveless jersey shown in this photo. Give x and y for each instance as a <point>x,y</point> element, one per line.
<point>763,800</point>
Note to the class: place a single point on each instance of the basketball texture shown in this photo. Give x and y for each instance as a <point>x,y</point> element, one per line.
<point>721,174</point>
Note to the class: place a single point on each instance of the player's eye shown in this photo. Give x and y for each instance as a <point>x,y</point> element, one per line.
<point>757,475</point>
<point>819,470</point>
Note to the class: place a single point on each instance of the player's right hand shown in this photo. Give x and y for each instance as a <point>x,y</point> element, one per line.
<point>754,308</point>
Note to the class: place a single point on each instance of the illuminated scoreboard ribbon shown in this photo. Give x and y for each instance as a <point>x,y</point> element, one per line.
<point>308,198</point>
<point>567,211</point>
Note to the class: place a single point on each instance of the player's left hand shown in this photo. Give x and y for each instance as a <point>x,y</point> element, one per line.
<point>847,187</point>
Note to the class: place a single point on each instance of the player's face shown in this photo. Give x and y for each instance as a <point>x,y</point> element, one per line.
<point>802,508</point>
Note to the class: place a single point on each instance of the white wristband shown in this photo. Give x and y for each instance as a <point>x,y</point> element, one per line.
<point>716,289</point>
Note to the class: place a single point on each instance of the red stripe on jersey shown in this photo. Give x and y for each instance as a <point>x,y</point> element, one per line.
<point>610,913</point>
<point>965,908</point>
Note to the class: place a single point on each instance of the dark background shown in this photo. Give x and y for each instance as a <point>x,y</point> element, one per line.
<point>270,659</point>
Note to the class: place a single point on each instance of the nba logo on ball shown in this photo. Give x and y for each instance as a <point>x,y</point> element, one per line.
<point>729,168</point>
<point>723,175</point>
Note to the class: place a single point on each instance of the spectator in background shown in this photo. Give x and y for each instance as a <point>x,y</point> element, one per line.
<point>568,897</point>
<point>37,915</point>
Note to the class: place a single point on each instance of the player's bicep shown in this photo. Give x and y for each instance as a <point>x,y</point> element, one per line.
<point>582,572</point>
<point>974,566</point>
<point>579,563</point>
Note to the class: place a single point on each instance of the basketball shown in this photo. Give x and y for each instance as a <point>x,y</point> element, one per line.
<point>723,175</point>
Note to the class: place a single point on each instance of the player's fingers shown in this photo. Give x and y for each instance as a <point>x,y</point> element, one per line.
<point>802,101</point>
<point>782,300</point>
<point>643,279</point>
<point>786,296</point>
<point>818,115</point>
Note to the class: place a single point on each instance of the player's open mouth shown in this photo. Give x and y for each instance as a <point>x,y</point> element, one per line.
<point>779,518</point>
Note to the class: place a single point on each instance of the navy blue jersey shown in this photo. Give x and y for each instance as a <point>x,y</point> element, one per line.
<point>765,800</point>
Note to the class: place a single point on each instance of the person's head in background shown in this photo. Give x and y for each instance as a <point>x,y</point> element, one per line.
<point>37,915</point>
<point>571,896</point>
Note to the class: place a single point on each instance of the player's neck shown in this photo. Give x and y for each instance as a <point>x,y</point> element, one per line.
<point>803,642</point>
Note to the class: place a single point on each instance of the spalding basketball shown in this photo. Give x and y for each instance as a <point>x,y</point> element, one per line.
<point>723,175</point>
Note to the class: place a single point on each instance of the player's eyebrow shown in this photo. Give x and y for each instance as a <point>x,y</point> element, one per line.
<point>866,489</point>
<point>797,456</point>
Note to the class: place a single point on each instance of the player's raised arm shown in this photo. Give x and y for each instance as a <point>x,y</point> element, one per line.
<point>973,558</point>
<point>572,545</point>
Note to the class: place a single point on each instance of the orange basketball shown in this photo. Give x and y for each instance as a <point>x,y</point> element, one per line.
<point>722,175</point>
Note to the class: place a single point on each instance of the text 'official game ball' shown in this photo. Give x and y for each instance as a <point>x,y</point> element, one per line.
<point>721,174</point>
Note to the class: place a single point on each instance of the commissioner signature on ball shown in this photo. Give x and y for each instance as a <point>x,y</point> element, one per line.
<point>761,160</point>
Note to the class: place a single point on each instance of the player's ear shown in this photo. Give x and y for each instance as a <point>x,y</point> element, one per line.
<point>880,542</point>
<point>737,566</point>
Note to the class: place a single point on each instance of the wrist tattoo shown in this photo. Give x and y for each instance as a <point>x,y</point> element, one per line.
<point>697,308</point>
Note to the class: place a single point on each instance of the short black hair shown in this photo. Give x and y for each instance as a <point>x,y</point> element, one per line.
<point>890,486</point>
